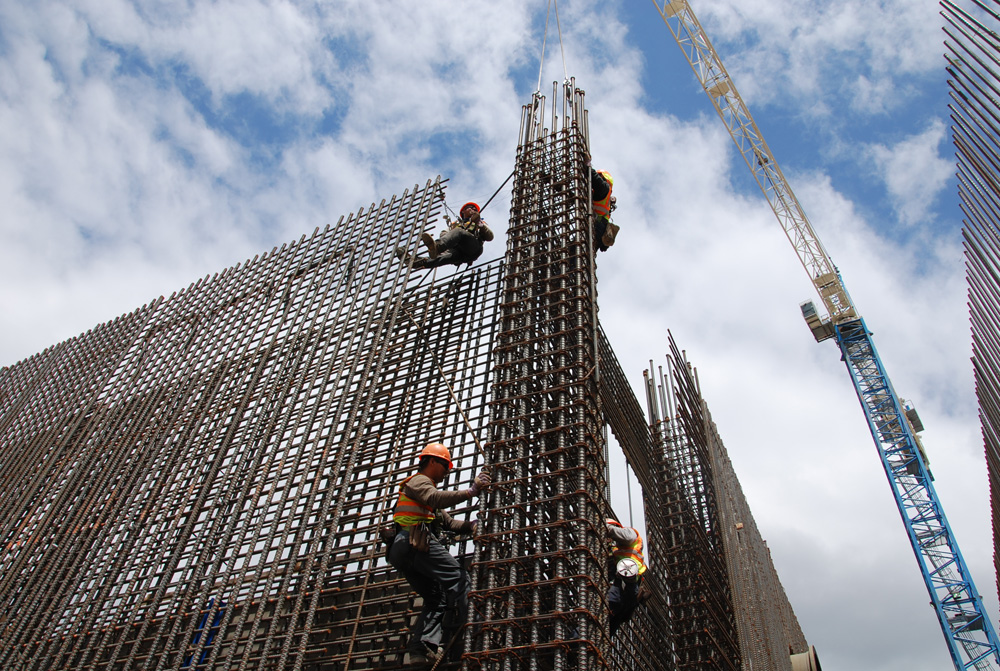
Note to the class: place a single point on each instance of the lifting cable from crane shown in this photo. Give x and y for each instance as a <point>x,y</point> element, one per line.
<point>541,61</point>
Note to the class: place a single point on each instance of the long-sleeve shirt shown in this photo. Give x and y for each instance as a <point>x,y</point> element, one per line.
<point>622,536</point>
<point>422,489</point>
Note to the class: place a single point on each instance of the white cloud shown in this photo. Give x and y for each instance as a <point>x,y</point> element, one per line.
<point>914,171</point>
<point>817,52</point>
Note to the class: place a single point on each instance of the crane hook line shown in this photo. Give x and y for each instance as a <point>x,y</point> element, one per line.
<point>541,62</point>
<point>562,50</point>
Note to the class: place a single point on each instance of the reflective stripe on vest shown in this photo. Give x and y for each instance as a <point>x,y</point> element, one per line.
<point>633,551</point>
<point>408,511</point>
<point>602,208</point>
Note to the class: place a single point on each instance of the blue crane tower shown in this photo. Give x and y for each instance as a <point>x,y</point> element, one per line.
<point>971,638</point>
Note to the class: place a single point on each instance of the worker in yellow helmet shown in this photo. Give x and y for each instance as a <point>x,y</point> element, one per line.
<point>461,243</point>
<point>626,567</point>
<point>604,204</point>
<point>417,553</point>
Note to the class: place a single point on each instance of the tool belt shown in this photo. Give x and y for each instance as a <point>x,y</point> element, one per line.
<point>420,535</point>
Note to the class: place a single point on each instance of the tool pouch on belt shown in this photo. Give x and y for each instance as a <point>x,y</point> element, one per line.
<point>419,537</point>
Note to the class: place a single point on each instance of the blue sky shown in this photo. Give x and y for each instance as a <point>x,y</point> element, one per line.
<point>146,144</point>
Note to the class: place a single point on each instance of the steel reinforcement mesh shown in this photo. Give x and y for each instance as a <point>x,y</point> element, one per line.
<point>973,53</point>
<point>728,608</point>
<point>199,484</point>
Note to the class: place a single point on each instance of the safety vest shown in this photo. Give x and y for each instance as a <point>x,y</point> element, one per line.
<point>409,511</point>
<point>633,551</point>
<point>602,208</point>
<point>470,226</point>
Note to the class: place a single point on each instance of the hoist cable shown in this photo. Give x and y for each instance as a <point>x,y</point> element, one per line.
<point>545,35</point>
<point>562,50</point>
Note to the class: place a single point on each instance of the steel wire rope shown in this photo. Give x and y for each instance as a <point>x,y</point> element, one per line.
<point>360,407</point>
<point>385,496</point>
<point>421,330</point>
<point>541,61</point>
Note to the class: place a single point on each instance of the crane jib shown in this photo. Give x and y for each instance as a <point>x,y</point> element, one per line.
<point>971,638</point>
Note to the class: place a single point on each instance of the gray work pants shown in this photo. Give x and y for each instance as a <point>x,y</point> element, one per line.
<point>456,246</point>
<point>442,583</point>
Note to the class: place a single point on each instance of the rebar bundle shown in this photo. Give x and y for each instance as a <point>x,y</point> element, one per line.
<point>728,608</point>
<point>539,572</point>
<point>973,54</point>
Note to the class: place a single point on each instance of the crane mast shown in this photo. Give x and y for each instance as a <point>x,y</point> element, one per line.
<point>971,638</point>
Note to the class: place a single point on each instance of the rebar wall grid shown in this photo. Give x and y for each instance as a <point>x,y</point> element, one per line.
<point>974,51</point>
<point>199,484</point>
<point>540,569</point>
<point>729,610</point>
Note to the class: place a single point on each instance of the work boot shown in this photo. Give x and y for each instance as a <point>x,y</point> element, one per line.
<point>609,234</point>
<point>433,653</point>
<point>432,250</point>
<point>415,657</point>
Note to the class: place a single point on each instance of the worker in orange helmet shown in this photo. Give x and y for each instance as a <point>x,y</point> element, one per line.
<point>461,243</point>
<point>604,204</point>
<point>417,553</point>
<point>626,567</point>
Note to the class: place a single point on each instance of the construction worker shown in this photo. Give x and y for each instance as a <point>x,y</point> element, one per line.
<point>417,553</point>
<point>461,243</point>
<point>604,204</point>
<point>626,567</point>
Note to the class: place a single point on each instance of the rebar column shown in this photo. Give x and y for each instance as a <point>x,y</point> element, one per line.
<point>539,574</point>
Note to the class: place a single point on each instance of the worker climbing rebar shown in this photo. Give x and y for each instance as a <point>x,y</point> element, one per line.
<point>626,568</point>
<point>461,243</point>
<point>601,184</point>
<point>417,553</point>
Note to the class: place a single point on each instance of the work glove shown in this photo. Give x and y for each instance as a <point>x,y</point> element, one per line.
<point>481,482</point>
<point>475,527</point>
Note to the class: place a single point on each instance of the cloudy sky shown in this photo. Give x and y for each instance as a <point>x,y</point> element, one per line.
<point>146,144</point>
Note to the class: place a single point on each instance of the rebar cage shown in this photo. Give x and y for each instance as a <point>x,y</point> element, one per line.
<point>200,484</point>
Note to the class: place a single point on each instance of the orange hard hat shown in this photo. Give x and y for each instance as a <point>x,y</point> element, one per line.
<point>436,450</point>
<point>466,205</point>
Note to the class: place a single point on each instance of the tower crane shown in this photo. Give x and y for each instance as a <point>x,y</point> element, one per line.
<point>972,640</point>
